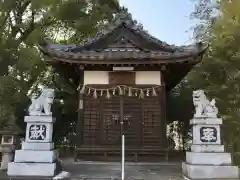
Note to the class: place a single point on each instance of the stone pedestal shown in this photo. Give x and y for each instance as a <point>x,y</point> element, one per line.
<point>37,156</point>
<point>207,158</point>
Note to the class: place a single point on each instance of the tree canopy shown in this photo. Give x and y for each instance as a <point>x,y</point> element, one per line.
<point>218,73</point>
<point>25,24</point>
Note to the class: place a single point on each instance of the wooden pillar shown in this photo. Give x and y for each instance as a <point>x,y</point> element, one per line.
<point>163,110</point>
<point>80,121</point>
<point>102,139</point>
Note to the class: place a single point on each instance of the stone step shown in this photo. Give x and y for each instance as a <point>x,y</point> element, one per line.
<point>32,169</point>
<point>188,178</point>
<point>208,158</point>
<point>210,171</point>
<point>206,121</point>
<point>37,146</point>
<point>207,148</point>
<point>36,156</point>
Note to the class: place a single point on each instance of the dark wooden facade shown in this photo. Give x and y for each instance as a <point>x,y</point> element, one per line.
<point>106,120</point>
<point>102,121</point>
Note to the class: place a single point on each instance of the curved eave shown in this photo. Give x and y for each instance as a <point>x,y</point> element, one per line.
<point>190,59</point>
<point>121,57</point>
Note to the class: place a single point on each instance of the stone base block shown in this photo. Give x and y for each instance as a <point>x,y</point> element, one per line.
<point>206,121</point>
<point>209,171</point>
<point>207,148</point>
<point>35,156</point>
<point>44,129</point>
<point>42,119</point>
<point>208,158</point>
<point>201,131</point>
<point>32,169</point>
<point>37,146</point>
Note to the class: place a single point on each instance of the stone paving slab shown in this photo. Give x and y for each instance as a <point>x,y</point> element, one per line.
<point>138,171</point>
<point>3,176</point>
<point>112,171</point>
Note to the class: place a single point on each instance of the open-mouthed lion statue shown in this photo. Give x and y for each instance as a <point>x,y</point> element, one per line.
<point>203,107</point>
<point>41,106</point>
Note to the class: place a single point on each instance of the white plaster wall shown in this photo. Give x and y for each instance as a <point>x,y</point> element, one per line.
<point>96,77</point>
<point>142,77</point>
<point>148,77</point>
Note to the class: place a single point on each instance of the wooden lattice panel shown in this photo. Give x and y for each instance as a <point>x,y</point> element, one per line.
<point>111,121</point>
<point>91,121</point>
<point>151,122</point>
<point>132,121</point>
<point>141,121</point>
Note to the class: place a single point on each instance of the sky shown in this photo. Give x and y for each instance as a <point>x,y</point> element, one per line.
<point>167,20</point>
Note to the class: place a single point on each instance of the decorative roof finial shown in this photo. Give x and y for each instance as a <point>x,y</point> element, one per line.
<point>124,16</point>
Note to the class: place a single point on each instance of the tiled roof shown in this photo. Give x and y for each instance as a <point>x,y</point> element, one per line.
<point>78,51</point>
<point>126,19</point>
<point>120,53</point>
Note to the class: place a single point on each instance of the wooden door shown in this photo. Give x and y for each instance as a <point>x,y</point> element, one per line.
<point>111,121</point>
<point>122,115</point>
<point>131,118</point>
<point>105,120</point>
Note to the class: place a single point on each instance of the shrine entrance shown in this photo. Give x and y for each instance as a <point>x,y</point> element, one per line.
<point>106,120</point>
<point>122,54</point>
<point>122,116</point>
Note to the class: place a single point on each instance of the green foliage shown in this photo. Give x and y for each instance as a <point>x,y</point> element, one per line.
<point>206,12</point>
<point>24,23</point>
<point>218,74</point>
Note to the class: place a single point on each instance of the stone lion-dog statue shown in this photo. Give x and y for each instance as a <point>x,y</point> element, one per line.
<point>41,106</point>
<point>204,107</point>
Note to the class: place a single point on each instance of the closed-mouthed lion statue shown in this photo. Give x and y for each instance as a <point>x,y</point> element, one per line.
<point>203,107</point>
<point>41,106</point>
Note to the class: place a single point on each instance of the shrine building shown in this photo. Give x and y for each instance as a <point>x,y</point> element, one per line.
<point>123,74</point>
